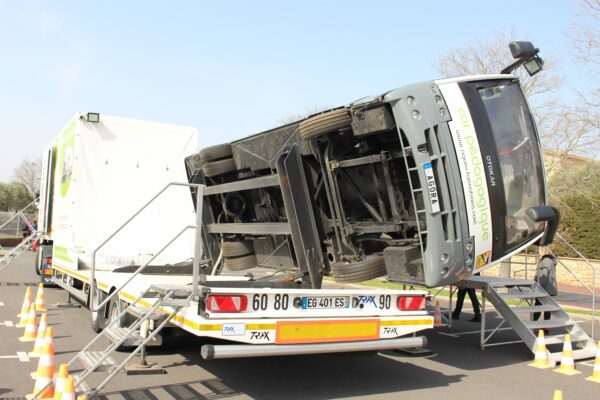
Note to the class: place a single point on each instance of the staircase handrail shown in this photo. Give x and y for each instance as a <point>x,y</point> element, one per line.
<point>141,268</point>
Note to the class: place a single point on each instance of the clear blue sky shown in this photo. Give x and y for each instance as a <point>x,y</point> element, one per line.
<point>229,68</point>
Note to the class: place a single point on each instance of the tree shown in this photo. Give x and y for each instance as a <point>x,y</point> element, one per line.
<point>14,197</point>
<point>28,173</point>
<point>6,197</point>
<point>586,41</point>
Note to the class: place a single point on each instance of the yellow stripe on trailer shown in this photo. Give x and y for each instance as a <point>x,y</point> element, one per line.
<point>408,322</point>
<point>76,275</point>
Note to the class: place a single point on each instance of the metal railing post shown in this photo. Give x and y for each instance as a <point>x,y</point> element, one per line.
<point>199,244</point>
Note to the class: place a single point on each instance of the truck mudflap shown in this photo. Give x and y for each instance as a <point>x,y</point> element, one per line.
<point>212,352</point>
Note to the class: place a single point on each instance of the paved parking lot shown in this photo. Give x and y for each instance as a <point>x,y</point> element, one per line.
<point>457,368</point>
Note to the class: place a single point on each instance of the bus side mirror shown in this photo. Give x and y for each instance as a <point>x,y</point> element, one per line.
<point>527,55</point>
<point>522,49</point>
<point>548,214</point>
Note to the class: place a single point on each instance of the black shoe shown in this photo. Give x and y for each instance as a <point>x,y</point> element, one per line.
<point>455,316</point>
<point>476,318</point>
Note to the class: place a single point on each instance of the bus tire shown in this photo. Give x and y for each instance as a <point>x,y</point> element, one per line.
<point>237,249</point>
<point>217,152</point>
<point>240,263</point>
<point>219,167</point>
<point>324,123</point>
<point>358,271</point>
<point>98,317</point>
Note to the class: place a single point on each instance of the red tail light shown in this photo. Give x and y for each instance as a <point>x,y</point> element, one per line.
<point>411,303</point>
<point>226,303</point>
<point>48,266</point>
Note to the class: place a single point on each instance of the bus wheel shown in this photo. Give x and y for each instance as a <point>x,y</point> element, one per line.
<point>240,263</point>
<point>358,271</point>
<point>217,152</point>
<point>219,167</point>
<point>98,317</point>
<point>237,249</point>
<point>325,123</point>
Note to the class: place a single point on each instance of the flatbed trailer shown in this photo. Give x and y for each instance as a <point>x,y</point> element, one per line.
<point>274,316</point>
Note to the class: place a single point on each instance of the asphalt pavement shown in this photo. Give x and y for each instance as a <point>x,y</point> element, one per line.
<point>457,368</point>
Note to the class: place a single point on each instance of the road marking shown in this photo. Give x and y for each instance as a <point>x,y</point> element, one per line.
<point>448,334</point>
<point>457,335</point>
<point>7,323</point>
<point>21,355</point>
<point>488,330</point>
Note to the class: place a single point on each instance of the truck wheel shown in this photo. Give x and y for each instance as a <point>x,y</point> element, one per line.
<point>98,317</point>
<point>236,249</point>
<point>240,263</point>
<point>217,152</point>
<point>114,309</point>
<point>219,167</point>
<point>325,123</point>
<point>358,271</point>
<point>38,261</point>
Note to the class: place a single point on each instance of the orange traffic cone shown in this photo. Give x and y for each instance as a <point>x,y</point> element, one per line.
<point>567,364</point>
<point>437,315</point>
<point>59,385</point>
<point>40,340</point>
<point>31,328</point>
<point>557,395</point>
<point>44,377</point>
<point>40,300</point>
<point>46,363</point>
<point>541,354</point>
<point>25,309</point>
<point>596,374</point>
<point>69,389</point>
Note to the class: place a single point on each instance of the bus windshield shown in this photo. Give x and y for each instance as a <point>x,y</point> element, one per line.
<point>519,158</point>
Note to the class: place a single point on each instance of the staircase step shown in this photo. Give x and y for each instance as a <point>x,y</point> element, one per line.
<point>549,324</point>
<point>560,339</point>
<point>532,294</point>
<point>579,354</point>
<point>82,387</point>
<point>138,312</point>
<point>176,302</point>
<point>90,358</point>
<point>115,334</point>
<point>538,308</point>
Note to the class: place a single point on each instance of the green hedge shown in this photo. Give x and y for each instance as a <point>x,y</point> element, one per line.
<point>580,225</point>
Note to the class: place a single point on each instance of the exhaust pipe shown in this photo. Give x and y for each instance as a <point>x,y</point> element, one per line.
<point>213,352</point>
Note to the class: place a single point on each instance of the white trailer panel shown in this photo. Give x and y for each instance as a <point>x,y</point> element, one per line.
<point>101,174</point>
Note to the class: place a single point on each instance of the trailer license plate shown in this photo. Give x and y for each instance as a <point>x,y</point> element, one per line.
<point>309,303</point>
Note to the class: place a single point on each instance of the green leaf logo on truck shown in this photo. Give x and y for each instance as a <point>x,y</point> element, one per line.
<point>67,154</point>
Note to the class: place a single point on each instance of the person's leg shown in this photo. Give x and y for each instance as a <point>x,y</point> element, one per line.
<point>536,315</point>
<point>474,301</point>
<point>460,299</point>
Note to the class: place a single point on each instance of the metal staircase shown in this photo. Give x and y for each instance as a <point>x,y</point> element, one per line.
<point>19,249</point>
<point>174,297</point>
<point>516,300</point>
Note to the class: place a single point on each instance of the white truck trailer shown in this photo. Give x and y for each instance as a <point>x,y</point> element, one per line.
<point>120,235</point>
